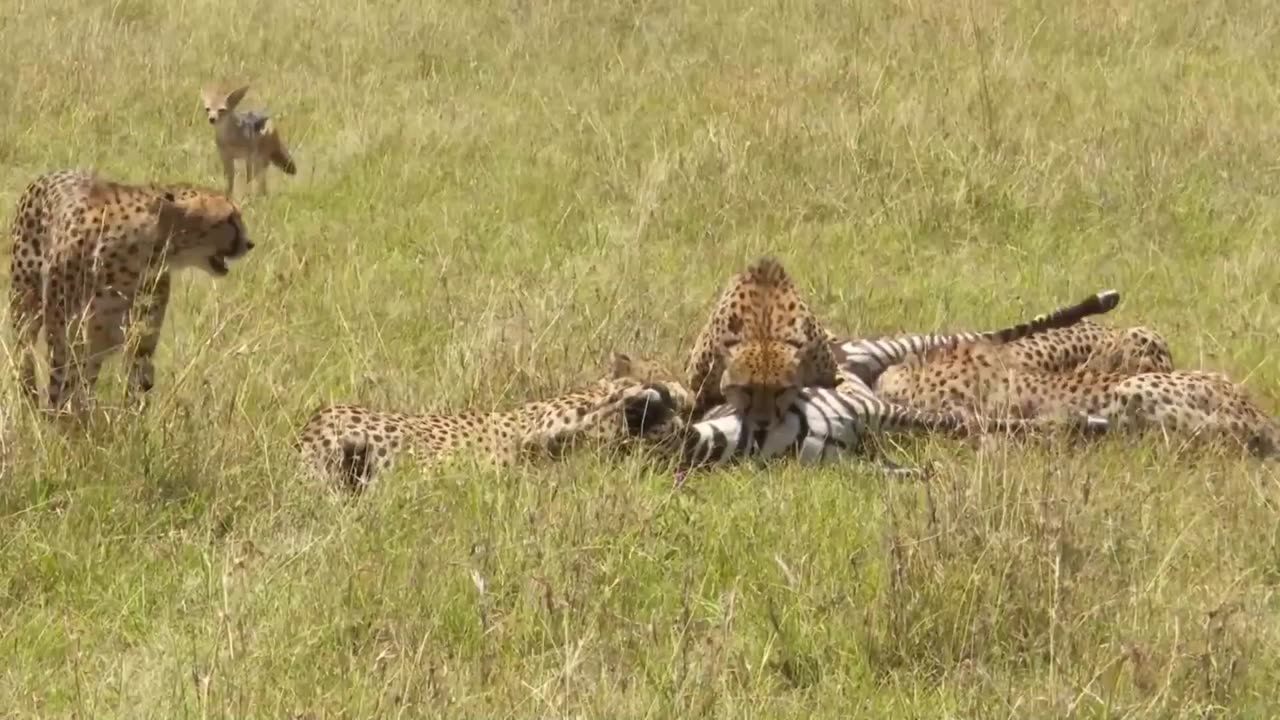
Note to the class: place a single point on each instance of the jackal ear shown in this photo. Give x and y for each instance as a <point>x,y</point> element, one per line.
<point>236,96</point>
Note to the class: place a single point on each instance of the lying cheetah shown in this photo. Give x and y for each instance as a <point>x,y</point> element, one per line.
<point>761,344</point>
<point>91,257</point>
<point>1092,346</point>
<point>353,444</point>
<point>992,381</point>
<point>1052,341</point>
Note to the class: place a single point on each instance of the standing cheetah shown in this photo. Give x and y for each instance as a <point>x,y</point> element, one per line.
<point>761,344</point>
<point>352,444</point>
<point>91,257</point>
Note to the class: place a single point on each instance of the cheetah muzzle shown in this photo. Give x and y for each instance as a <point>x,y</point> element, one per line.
<point>240,246</point>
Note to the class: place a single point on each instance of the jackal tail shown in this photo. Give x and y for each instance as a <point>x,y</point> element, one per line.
<point>275,150</point>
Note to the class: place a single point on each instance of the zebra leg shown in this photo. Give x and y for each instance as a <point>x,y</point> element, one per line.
<point>894,470</point>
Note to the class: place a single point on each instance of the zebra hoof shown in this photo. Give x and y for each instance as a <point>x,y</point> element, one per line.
<point>1108,300</point>
<point>649,410</point>
<point>1095,425</point>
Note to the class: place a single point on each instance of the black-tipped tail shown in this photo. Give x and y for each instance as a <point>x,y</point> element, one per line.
<point>282,160</point>
<point>1096,304</point>
<point>1101,303</point>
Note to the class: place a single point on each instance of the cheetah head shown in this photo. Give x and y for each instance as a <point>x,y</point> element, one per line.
<point>204,228</point>
<point>762,379</point>
<point>625,366</point>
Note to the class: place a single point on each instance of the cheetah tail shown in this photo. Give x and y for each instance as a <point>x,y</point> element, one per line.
<point>1099,303</point>
<point>1096,304</point>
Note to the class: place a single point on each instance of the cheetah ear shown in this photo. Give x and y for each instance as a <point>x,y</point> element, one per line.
<point>171,217</point>
<point>620,365</point>
<point>234,98</point>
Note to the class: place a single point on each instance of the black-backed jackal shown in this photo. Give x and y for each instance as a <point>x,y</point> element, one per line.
<point>250,137</point>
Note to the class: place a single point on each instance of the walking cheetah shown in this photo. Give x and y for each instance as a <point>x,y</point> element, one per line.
<point>636,400</point>
<point>990,381</point>
<point>91,257</point>
<point>761,344</point>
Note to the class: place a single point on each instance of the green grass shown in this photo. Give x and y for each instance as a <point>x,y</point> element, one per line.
<point>491,197</point>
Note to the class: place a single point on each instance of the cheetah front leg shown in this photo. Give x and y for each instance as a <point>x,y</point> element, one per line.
<point>148,310</point>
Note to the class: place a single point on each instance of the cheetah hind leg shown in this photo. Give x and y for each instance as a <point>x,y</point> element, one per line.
<point>27,335</point>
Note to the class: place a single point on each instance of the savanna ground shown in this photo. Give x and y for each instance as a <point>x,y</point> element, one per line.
<point>494,195</point>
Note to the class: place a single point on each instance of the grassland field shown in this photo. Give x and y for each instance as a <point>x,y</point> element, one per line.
<point>494,195</point>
